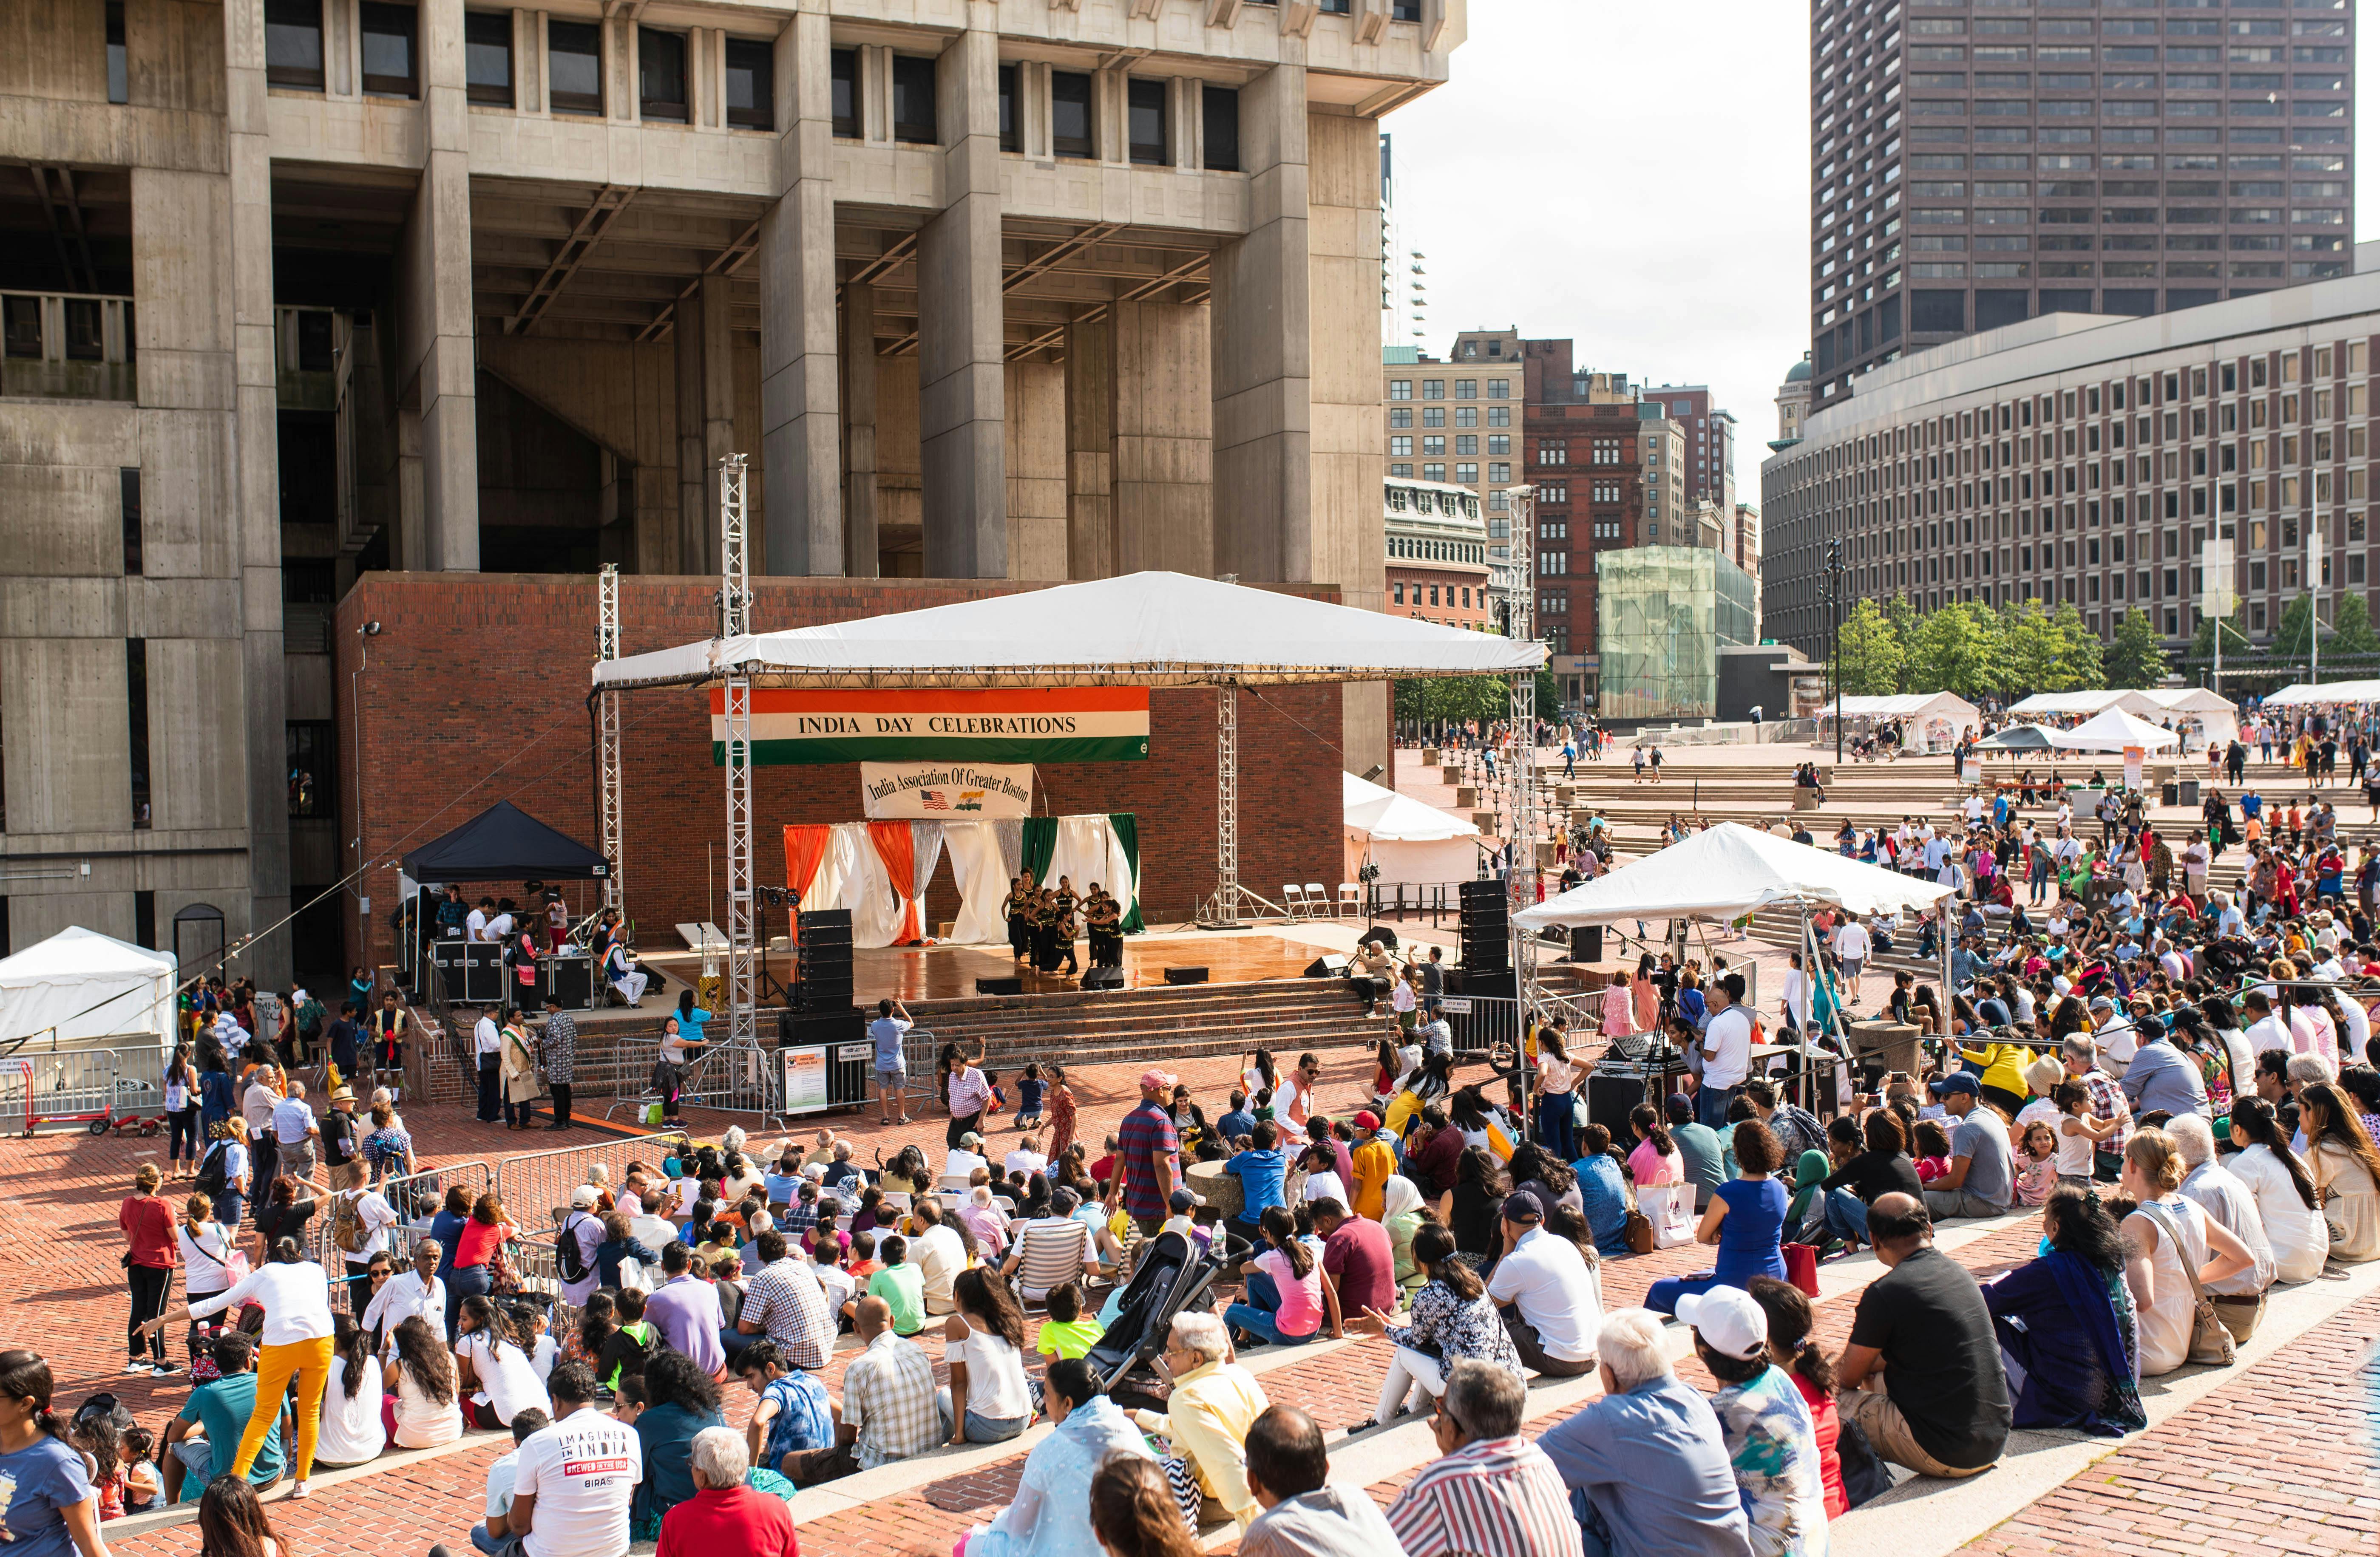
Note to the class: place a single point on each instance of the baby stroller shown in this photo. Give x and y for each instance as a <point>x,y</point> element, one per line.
<point>1172,1275</point>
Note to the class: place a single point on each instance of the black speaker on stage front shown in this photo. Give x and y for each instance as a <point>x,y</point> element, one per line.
<point>1587,942</point>
<point>1000,986</point>
<point>1102,978</point>
<point>1325,967</point>
<point>1484,931</point>
<point>1185,975</point>
<point>1609,1101</point>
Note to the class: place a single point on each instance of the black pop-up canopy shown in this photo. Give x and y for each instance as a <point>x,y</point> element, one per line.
<point>505,842</point>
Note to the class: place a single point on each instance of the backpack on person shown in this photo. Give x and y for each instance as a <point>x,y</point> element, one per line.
<point>347,1228</point>
<point>214,1174</point>
<point>568,1257</point>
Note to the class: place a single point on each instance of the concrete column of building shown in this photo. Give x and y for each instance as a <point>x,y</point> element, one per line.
<point>799,407</point>
<point>256,489</point>
<point>1262,354</point>
<point>693,444</point>
<point>1090,450</point>
<point>961,371</point>
<point>434,301</point>
<point>860,518</point>
<point>1163,473</point>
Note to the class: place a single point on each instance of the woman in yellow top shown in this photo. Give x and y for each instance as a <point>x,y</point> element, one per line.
<point>2002,1078</point>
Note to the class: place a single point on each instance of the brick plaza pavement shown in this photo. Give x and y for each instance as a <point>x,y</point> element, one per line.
<point>2278,1458</point>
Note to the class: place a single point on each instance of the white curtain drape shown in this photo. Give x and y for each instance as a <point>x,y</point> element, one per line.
<point>1122,881</point>
<point>853,877</point>
<point>983,875</point>
<point>1009,831</point>
<point>926,847</point>
<point>1082,852</point>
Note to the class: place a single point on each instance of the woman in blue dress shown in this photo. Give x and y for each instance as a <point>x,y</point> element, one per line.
<point>1746,1221</point>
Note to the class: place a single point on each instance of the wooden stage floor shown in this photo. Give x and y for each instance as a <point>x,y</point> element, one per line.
<point>948,972</point>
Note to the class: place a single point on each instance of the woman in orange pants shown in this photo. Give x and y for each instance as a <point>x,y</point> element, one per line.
<point>295,1294</point>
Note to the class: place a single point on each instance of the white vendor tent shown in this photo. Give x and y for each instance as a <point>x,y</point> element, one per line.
<point>1410,841</point>
<point>1726,873</point>
<point>2112,731</point>
<point>1930,721</point>
<point>1146,629</point>
<point>2214,713</point>
<point>2098,701</point>
<point>85,990</point>
<point>2324,694</point>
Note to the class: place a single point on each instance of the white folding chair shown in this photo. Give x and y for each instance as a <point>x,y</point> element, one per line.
<point>1317,901</point>
<point>1292,898</point>
<point>1351,900</point>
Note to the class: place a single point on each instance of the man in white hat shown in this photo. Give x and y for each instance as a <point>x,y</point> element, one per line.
<point>1767,1424</point>
<point>581,1231</point>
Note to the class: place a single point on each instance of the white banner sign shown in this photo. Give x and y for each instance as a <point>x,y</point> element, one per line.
<point>945,792</point>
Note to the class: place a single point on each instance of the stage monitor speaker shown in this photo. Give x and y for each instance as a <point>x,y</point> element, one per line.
<point>1609,1101</point>
<point>1490,891</point>
<point>1102,978</point>
<point>1000,986</point>
<point>1478,983</point>
<point>1587,942</point>
<point>1185,975</point>
<point>1327,967</point>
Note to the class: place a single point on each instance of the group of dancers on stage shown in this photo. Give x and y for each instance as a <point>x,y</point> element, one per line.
<point>1043,923</point>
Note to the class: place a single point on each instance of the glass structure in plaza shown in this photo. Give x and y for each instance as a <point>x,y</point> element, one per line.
<point>1662,612</point>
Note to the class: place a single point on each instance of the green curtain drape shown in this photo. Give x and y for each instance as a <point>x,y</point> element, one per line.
<point>1127,827</point>
<point>1040,847</point>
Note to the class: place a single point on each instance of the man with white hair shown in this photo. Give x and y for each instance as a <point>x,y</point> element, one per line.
<point>1649,1454</point>
<point>294,1134</point>
<point>1209,1410</point>
<point>2239,1300</point>
<point>725,1515</point>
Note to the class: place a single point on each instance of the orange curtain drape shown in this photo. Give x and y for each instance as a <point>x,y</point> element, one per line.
<point>897,848</point>
<point>805,850</point>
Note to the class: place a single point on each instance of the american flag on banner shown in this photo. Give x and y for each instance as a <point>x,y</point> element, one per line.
<point>933,800</point>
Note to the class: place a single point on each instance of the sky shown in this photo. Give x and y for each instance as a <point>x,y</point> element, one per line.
<point>1637,178</point>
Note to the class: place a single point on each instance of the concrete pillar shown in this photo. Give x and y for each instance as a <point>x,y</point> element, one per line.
<point>1163,471</point>
<point>693,444</point>
<point>1034,456</point>
<point>1262,355</point>
<point>961,367</point>
<point>434,299</point>
<point>718,409</point>
<point>256,489</point>
<point>1090,450</point>
<point>802,506</point>
<point>860,523</point>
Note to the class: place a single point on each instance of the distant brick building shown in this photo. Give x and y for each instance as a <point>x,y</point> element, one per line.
<point>1438,568</point>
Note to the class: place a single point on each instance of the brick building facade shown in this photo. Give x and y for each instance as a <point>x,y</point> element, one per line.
<point>475,690</point>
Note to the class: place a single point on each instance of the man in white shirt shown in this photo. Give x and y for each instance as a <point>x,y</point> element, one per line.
<point>409,1292</point>
<point>475,924</point>
<point>1974,812</point>
<point>487,1042</point>
<point>1551,1302</point>
<point>646,1225</point>
<point>1852,945</point>
<point>2266,1028</point>
<point>2239,1300</point>
<point>256,1106</point>
<point>575,1479</point>
<point>1727,1050</point>
<point>2119,1041</point>
<point>939,1254</point>
<point>294,1134</point>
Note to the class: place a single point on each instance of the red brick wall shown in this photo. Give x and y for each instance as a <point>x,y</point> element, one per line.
<point>476,690</point>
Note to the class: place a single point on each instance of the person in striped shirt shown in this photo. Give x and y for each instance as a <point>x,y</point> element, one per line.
<point>1493,1493</point>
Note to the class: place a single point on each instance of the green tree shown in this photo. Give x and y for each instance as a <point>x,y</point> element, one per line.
<point>2235,639</point>
<point>2080,658</point>
<point>1902,618</point>
<point>2294,638</point>
<point>2352,636</point>
<point>2137,658</point>
<point>1957,649</point>
<point>2034,649</point>
<point>1869,656</point>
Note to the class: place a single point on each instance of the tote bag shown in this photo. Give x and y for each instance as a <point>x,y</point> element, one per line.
<point>1670,1209</point>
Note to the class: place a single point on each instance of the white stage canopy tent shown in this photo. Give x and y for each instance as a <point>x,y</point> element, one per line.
<point>1728,872</point>
<point>1931,721</point>
<point>2324,694</point>
<point>85,990</point>
<point>2215,714</point>
<point>1145,629</point>
<point>2131,699</point>
<point>1410,841</point>
<point>2112,731</point>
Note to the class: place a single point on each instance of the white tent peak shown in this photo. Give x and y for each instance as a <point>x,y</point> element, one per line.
<point>1144,629</point>
<point>1727,872</point>
<point>2112,731</point>
<point>1389,817</point>
<point>79,985</point>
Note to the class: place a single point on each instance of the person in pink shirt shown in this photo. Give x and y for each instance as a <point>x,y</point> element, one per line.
<point>1656,1159</point>
<point>1619,1010</point>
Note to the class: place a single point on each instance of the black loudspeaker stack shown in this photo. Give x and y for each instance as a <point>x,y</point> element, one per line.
<point>1587,942</point>
<point>800,1028</point>
<point>822,961</point>
<point>1485,943</point>
<point>1610,1098</point>
<point>1185,975</point>
<point>1102,978</point>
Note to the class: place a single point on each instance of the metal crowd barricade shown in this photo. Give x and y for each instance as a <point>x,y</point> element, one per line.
<point>101,1086</point>
<point>536,1190</point>
<point>416,1197</point>
<point>725,1077</point>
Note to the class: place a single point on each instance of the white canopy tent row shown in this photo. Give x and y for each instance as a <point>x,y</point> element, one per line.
<point>1930,721</point>
<point>2324,694</point>
<point>1409,842</point>
<point>2210,711</point>
<point>1145,630</point>
<point>1729,872</point>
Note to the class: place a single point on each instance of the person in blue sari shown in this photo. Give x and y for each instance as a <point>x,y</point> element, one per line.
<point>1051,1515</point>
<point>2068,1338</point>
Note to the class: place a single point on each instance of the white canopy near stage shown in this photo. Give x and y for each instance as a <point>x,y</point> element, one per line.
<point>1409,840</point>
<point>2113,731</point>
<point>80,989</point>
<point>1727,872</point>
<point>2210,711</point>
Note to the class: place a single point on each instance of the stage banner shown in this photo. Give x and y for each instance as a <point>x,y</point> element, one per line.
<point>1060,724</point>
<point>943,791</point>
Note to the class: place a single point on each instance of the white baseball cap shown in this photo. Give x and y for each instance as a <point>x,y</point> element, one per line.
<point>1730,1323</point>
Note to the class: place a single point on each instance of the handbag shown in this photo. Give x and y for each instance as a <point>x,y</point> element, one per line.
<point>1639,1233</point>
<point>1801,1267</point>
<point>1670,1209</point>
<point>2210,1339</point>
